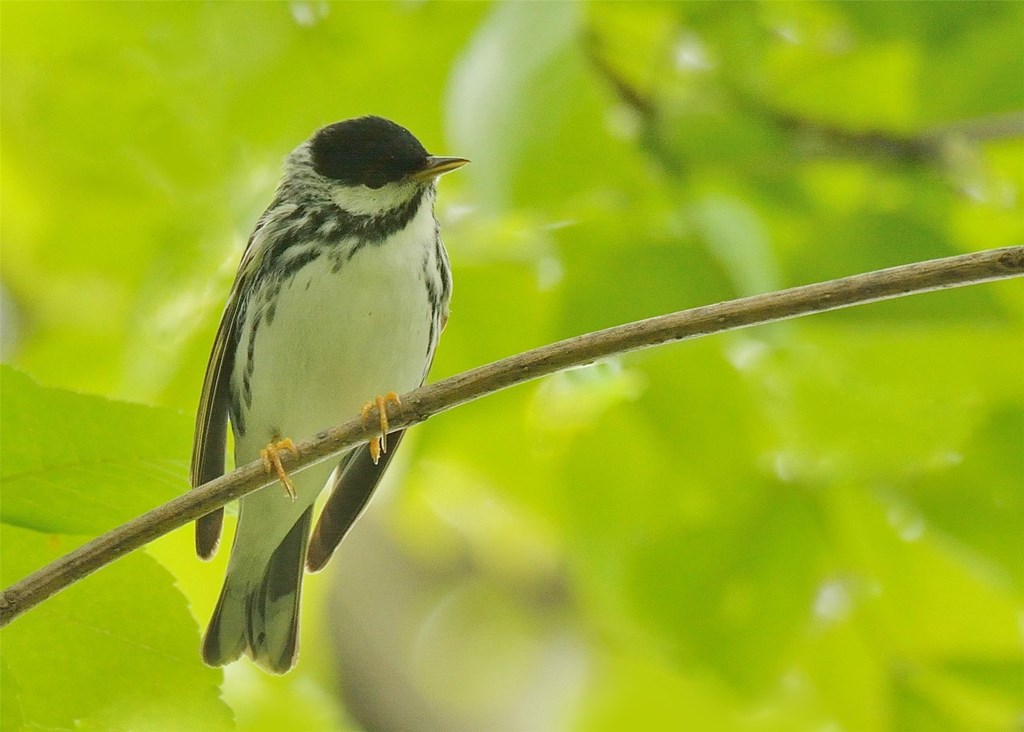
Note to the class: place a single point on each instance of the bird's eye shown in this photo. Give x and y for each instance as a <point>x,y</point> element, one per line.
<point>374,179</point>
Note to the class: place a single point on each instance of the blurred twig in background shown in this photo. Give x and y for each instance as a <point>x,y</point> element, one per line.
<point>813,138</point>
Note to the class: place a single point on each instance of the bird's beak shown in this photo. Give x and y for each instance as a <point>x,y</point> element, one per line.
<point>437,166</point>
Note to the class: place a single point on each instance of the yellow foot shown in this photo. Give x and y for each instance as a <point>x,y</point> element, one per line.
<point>271,455</point>
<point>379,445</point>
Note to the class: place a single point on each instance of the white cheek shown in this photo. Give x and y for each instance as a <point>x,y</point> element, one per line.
<point>361,200</point>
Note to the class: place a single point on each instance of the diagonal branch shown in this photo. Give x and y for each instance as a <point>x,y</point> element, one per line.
<point>419,405</point>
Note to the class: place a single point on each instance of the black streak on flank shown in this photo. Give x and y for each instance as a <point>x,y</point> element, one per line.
<point>435,304</point>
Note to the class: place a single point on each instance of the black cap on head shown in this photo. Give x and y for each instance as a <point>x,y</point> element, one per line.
<point>369,151</point>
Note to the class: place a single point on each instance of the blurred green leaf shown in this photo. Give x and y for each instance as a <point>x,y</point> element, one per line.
<point>713,593</point>
<point>639,692</point>
<point>976,496</point>
<point>791,527</point>
<point>10,711</point>
<point>523,105</point>
<point>81,464</point>
<point>118,650</point>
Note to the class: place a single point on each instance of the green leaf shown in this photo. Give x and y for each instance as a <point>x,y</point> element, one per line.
<point>975,494</point>
<point>488,100</point>
<point>825,513</point>
<point>522,104</point>
<point>78,464</point>
<point>118,650</point>
<point>10,706</point>
<point>713,592</point>
<point>640,692</point>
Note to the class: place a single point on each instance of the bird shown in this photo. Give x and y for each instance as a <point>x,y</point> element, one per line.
<point>337,306</point>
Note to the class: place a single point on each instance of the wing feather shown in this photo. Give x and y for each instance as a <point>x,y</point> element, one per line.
<point>209,446</point>
<point>351,488</point>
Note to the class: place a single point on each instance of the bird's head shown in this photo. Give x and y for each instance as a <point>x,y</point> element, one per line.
<point>370,165</point>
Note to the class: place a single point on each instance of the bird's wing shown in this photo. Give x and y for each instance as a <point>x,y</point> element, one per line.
<point>351,487</point>
<point>209,445</point>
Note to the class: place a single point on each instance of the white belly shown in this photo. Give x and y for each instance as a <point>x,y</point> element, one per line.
<point>338,339</point>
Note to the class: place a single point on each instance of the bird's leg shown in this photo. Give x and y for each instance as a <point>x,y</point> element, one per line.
<point>379,445</point>
<point>271,456</point>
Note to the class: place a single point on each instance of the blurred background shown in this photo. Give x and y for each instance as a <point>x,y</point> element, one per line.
<point>813,525</point>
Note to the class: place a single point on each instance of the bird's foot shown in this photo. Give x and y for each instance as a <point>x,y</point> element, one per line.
<point>379,445</point>
<point>271,455</point>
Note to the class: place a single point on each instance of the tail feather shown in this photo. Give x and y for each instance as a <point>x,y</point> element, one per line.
<point>272,630</point>
<point>224,641</point>
<point>262,619</point>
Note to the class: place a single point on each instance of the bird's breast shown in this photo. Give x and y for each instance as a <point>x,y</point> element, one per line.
<point>349,324</point>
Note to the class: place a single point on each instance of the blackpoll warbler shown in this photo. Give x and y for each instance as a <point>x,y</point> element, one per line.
<point>341,296</point>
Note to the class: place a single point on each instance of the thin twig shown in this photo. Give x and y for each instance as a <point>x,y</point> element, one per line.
<point>982,129</point>
<point>427,401</point>
<point>811,137</point>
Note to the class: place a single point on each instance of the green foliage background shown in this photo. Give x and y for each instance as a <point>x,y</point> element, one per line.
<point>814,525</point>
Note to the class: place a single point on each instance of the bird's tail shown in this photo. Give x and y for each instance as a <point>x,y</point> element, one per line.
<point>261,617</point>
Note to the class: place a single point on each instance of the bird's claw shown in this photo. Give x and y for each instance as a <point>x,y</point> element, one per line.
<point>271,456</point>
<point>379,445</point>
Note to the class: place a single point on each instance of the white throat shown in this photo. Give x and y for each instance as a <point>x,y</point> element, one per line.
<point>364,201</point>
